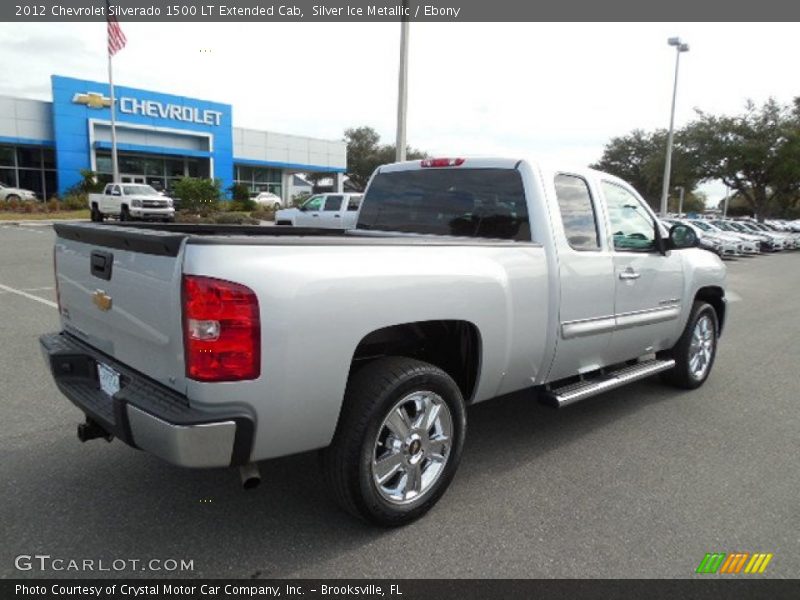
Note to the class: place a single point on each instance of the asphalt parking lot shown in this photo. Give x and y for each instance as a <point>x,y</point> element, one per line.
<point>640,482</point>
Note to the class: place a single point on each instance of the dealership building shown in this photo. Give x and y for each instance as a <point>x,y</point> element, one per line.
<point>160,138</point>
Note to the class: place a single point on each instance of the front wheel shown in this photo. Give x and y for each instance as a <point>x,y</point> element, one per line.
<point>124,214</point>
<point>398,442</point>
<point>696,349</point>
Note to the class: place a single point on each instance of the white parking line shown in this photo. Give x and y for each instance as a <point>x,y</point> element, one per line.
<point>5,288</point>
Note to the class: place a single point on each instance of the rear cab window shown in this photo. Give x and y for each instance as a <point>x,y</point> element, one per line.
<point>480,203</point>
<point>577,212</point>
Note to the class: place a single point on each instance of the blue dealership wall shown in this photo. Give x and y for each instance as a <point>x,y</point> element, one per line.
<point>71,128</point>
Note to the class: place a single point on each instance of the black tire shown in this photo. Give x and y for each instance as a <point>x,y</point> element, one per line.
<point>372,393</point>
<point>96,215</point>
<point>12,198</point>
<point>124,214</point>
<point>283,223</point>
<point>682,375</point>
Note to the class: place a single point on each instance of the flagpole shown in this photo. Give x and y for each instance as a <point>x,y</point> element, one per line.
<point>114,161</point>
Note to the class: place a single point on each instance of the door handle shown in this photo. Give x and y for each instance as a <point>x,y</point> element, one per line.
<point>315,216</point>
<point>629,274</point>
<point>337,216</point>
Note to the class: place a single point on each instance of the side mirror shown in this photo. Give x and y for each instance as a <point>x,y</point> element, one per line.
<point>681,236</point>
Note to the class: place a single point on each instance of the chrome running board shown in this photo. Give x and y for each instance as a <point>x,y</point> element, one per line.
<point>574,392</point>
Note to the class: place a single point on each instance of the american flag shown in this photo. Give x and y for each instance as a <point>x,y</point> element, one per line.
<point>116,39</point>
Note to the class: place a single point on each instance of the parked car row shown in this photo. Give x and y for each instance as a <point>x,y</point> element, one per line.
<point>730,237</point>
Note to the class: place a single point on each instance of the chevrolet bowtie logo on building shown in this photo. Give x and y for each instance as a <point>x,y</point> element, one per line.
<point>722,563</point>
<point>92,100</point>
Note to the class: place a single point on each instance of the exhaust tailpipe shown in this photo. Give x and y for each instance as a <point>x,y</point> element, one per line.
<point>250,475</point>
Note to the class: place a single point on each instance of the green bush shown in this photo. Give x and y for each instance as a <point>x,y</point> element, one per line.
<point>240,191</point>
<point>75,202</point>
<point>263,215</point>
<point>234,219</point>
<point>246,205</point>
<point>198,195</point>
<point>89,184</point>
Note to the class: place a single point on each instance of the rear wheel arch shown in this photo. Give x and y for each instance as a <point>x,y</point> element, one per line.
<point>455,346</point>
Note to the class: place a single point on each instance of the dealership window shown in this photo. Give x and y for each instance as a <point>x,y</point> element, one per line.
<point>29,167</point>
<point>161,172</point>
<point>259,179</point>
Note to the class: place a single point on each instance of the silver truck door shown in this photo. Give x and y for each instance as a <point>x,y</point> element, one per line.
<point>649,285</point>
<point>586,277</point>
<point>309,215</point>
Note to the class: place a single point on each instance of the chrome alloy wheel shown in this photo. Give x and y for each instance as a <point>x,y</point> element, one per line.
<point>701,348</point>
<point>412,447</point>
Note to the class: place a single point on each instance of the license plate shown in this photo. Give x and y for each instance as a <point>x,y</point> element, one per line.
<point>109,379</point>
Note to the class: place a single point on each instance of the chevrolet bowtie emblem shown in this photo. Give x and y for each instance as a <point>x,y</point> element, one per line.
<point>92,100</point>
<point>101,300</point>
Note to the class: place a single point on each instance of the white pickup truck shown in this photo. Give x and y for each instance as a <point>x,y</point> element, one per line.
<point>325,211</point>
<point>464,280</point>
<point>127,201</point>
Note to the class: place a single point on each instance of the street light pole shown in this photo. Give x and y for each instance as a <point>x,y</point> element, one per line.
<point>679,48</point>
<point>402,88</point>
<point>680,200</point>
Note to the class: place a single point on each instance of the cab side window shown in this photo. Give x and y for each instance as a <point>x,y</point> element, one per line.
<point>577,212</point>
<point>333,203</point>
<point>632,227</point>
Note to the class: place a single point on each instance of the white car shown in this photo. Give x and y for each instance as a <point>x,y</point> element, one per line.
<point>325,211</point>
<point>268,200</point>
<point>13,193</point>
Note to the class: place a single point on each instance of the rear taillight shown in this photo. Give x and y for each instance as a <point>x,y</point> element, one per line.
<point>221,330</point>
<point>441,162</point>
<point>55,275</point>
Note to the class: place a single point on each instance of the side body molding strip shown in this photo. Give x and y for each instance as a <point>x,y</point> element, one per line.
<point>597,325</point>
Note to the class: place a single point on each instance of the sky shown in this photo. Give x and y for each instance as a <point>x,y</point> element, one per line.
<point>552,91</point>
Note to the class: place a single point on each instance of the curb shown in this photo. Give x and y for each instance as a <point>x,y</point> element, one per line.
<point>41,222</point>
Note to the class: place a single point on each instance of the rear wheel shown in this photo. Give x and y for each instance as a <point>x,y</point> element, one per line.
<point>398,442</point>
<point>12,198</point>
<point>696,349</point>
<point>96,215</point>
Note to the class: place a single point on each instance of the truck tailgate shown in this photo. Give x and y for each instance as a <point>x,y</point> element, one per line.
<point>120,292</point>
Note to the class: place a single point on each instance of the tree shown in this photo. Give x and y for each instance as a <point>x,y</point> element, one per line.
<point>639,158</point>
<point>756,153</point>
<point>365,154</point>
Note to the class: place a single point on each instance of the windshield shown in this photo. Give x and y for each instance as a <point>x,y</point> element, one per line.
<point>735,227</point>
<point>483,203</point>
<point>139,190</point>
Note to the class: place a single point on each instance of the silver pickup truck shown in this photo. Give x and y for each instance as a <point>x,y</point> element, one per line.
<point>465,279</point>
